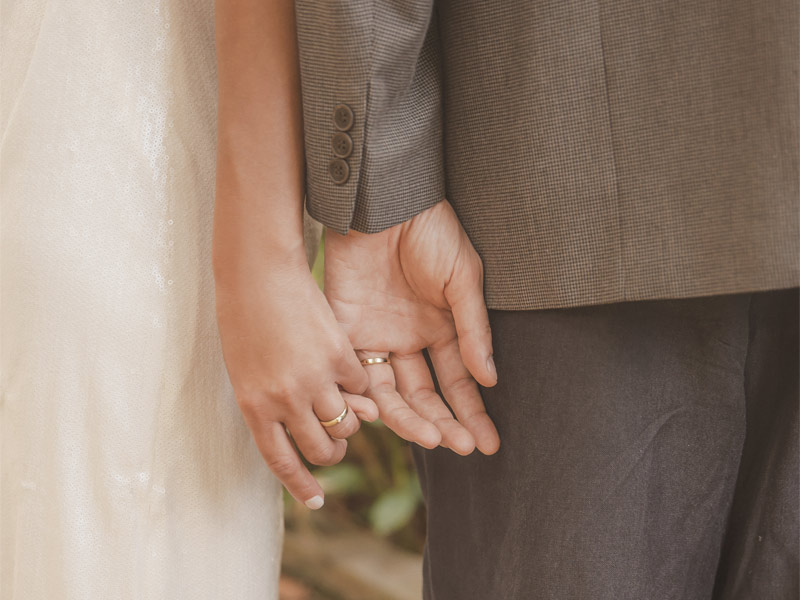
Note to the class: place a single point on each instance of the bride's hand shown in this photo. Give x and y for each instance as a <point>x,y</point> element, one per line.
<point>285,355</point>
<point>284,351</point>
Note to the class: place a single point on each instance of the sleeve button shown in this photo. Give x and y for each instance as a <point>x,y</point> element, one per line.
<point>343,117</point>
<point>339,170</point>
<point>342,144</point>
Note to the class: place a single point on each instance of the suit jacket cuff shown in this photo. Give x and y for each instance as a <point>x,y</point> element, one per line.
<point>373,73</point>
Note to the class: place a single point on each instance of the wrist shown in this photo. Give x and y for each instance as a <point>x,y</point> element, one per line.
<point>239,259</point>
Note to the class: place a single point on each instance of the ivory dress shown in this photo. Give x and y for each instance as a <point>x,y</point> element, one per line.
<point>127,469</point>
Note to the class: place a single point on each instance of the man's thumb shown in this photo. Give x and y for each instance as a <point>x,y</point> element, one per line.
<point>464,294</point>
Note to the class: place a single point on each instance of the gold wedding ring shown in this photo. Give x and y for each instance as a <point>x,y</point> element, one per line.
<point>376,360</point>
<point>338,419</point>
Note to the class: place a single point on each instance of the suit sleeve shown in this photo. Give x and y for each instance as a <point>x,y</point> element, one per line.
<point>372,110</point>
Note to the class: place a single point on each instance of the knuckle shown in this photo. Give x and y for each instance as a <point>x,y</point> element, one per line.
<point>247,398</point>
<point>475,261</point>
<point>382,388</point>
<point>341,351</point>
<point>282,466</point>
<point>250,401</point>
<point>474,274</point>
<point>479,264</point>
<point>348,428</point>
<point>281,390</point>
<point>269,400</point>
<point>322,455</point>
<point>478,332</point>
<point>421,396</point>
<point>470,263</point>
<point>463,385</point>
<point>398,415</point>
<point>476,420</point>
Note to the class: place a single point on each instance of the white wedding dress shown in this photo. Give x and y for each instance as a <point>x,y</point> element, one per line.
<point>127,470</point>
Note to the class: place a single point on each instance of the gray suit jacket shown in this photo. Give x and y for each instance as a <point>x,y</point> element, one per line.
<point>595,150</point>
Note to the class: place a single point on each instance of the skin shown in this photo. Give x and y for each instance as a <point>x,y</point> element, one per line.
<point>285,353</point>
<point>417,285</point>
<point>414,286</point>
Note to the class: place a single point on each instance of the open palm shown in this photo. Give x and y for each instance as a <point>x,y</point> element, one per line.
<point>414,286</point>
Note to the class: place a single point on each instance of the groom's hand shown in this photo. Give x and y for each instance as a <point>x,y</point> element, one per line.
<point>414,286</point>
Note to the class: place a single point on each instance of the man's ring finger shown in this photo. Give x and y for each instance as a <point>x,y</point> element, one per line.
<point>375,360</point>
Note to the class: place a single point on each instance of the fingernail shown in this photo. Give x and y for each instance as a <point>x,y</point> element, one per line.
<point>491,367</point>
<point>315,503</point>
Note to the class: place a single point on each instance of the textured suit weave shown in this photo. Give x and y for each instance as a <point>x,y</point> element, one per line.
<point>594,151</point>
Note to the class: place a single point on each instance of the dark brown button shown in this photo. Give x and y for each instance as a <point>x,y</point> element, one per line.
<point>339,170</point>
<point>343,117</point>
<point>342,144</point>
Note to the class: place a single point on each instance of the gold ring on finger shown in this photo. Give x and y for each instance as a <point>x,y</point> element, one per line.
<point>338,419</point>
<point>375,360</point>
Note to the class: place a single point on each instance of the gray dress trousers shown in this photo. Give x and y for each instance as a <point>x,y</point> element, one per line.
<point>649,451</point>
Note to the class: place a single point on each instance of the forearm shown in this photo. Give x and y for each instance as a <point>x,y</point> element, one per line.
<point>260,163</point>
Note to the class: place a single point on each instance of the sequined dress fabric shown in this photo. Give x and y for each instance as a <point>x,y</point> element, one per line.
<point>127,470</point>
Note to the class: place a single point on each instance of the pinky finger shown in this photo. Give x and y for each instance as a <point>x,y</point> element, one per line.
<point>282,459</point>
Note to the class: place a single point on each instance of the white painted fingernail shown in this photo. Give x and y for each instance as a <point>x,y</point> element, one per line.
<point>315,503</point>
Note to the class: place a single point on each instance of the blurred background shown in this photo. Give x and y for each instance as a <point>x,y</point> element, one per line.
<point>366,542</point>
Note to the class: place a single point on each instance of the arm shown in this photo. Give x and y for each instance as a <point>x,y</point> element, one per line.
<point>414,282</point>
<point>381,59</point>
<point>283,349</point>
